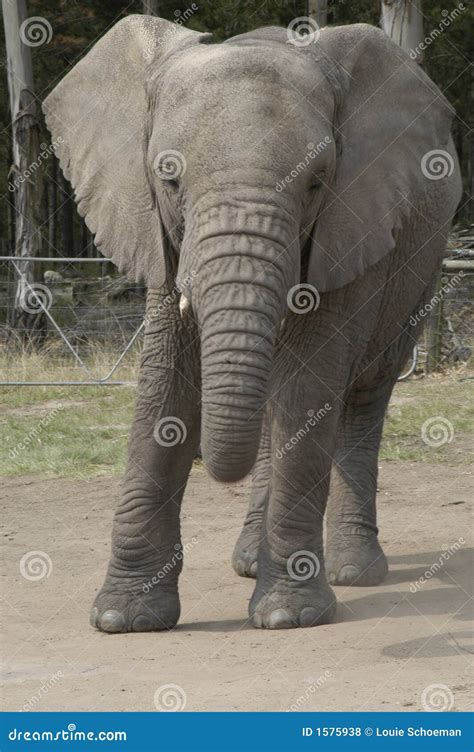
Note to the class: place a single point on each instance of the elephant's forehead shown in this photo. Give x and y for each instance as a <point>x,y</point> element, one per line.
<point>232,86</point>
<point>254,69</point>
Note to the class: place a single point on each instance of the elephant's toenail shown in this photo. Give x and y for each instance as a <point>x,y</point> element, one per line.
<point>257,621</point>
<point>331,578</point>
<point>142,624</point>
<point>93,616</point>
<point>309,617</point>
<point>112,621</point>
<point>348,573</point>
<point>253,569</point>
<point>279,619</point>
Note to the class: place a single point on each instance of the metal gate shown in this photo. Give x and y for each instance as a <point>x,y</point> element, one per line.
<point>36,298</point>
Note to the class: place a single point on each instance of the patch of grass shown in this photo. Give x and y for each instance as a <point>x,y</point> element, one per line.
<point>82,432</point>
<point>431,420</point>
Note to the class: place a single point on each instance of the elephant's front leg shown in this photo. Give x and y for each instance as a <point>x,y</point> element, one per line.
<point>140,591</point>
<point>291,589</point>
<point>245,555</point>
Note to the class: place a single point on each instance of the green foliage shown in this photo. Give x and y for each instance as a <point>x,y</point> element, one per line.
<point>77,25</point>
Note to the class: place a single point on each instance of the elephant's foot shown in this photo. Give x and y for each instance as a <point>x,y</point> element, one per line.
<point>355,560</point>
<point>245,555</point>
<point>287,605</point>
<point>127,606</point>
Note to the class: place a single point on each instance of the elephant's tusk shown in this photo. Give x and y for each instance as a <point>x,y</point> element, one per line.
<point>184,305</point>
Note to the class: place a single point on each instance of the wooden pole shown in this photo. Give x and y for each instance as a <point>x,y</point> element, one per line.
<point>402,21</point>
<point>25,172</point>
<point>318,10</point>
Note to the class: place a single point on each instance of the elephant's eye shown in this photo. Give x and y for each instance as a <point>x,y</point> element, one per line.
<point>317,183</point>
<point>172,184</point>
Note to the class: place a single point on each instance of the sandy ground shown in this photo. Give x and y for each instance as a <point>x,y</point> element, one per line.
<point>387,646</point>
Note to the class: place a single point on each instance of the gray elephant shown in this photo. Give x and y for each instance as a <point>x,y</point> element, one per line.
<point>286,200</point>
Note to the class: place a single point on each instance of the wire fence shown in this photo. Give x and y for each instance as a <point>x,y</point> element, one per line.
<point>91,321</point>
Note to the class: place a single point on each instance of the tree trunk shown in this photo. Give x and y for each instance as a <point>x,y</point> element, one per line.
<point>26,174</point>
<point>402,21</point>
<point>318,9</point>
<point>66,210</point>
<point>53,206</point>
<point>150,7</point>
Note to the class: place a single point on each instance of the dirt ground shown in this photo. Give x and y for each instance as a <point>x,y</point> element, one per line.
<point>387,646</point>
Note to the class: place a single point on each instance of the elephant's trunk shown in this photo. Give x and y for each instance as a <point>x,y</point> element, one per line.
<point>240,303</point>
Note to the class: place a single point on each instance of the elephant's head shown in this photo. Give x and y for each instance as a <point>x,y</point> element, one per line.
<point>240,170</point>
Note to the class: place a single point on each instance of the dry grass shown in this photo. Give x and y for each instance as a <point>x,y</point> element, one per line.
<point>82,431</point>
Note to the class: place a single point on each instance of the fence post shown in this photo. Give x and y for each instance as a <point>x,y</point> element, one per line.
<point>434,332</point>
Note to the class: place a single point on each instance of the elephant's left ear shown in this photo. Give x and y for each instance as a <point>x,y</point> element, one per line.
<point>390,116</point>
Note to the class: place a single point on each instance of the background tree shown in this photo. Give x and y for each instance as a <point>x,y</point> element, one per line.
<point>25,176</point>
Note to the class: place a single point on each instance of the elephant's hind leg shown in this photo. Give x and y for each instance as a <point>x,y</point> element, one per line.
<point>353,554</point>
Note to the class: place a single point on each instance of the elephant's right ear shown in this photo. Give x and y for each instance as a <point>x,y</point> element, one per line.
<point>97,116</point>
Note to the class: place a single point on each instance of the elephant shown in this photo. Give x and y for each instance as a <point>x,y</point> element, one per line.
<point>286,201</point>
